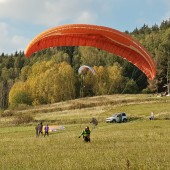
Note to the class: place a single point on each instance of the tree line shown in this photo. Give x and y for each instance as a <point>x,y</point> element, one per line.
<point>52,75</point>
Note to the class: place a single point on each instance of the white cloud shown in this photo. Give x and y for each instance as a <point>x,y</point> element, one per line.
<point>167,15</point>
<point>2,1</point>
<point>86,17</point>
<point>57,12</point>
<point>10,43</point>
<point>3,29</point>
<point>50,12</point>
<point>3,36</point>
<point>18,18</point>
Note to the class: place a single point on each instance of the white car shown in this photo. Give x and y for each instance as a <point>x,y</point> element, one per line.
<point>117,118</point>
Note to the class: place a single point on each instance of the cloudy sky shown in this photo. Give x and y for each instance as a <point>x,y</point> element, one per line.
<point>22,20</point>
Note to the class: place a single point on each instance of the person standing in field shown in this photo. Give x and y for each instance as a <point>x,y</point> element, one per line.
<point>46,129</point>
<point>152,116</point>
<point>86,134</point>
<point>94,122</point>
<point>40,129</point>
<point>36,130</point>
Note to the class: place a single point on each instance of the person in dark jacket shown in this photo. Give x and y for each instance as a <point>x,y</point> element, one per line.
<point>36,130</point>
<point>40,129</point>
<point>86,134</point>
<point>94,122</point>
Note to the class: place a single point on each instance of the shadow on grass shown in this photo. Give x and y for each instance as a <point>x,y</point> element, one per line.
<point>162,118</point>
<point>57,121</point>
<point>46,121</point>
<point>134,118</point>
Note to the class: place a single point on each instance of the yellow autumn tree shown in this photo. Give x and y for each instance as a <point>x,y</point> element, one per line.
<point>36,81</point>
<point>63,82</point>
<point>101,80</point>
<point>19,94</point>
<point>115,78</point>
<point>89,84</point>
<point>52,83</point>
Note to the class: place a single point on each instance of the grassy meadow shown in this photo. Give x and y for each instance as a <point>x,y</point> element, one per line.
<point>138,144</point>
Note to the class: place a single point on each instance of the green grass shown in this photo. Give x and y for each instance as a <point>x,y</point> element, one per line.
<point>138,144</point>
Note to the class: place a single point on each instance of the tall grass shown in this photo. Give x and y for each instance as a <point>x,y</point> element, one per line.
<point>138,144</point>
<point>134,145</point>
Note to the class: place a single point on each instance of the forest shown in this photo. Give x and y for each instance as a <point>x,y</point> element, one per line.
<point>51,75</point>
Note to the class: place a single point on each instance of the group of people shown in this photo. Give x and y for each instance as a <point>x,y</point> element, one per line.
<point>85,133</point>
<point>39,130</point>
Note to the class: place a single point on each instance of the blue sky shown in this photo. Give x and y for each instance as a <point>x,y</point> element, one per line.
<point>22,20</point>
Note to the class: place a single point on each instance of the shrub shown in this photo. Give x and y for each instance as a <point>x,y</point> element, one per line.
<point>7,113</point>
<point>22,97</point>
<point>23,118</point>
<point>146,91</point>
<point>163,116</point>
<point>131,87</point>
<point>19,94</point>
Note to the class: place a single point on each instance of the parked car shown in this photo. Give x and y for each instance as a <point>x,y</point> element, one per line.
<point>117,118</point>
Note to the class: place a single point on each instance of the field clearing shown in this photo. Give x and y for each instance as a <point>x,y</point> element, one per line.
<point>138,144</point>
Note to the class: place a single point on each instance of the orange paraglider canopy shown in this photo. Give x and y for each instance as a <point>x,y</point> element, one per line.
<point>101,37</point>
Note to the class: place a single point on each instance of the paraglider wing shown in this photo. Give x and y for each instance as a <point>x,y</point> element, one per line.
<point>101,37</point>
<point>84,67</point>
<point>55,128</point>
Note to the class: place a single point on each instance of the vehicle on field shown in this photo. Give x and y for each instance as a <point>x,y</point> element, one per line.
<point>117,118</point>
